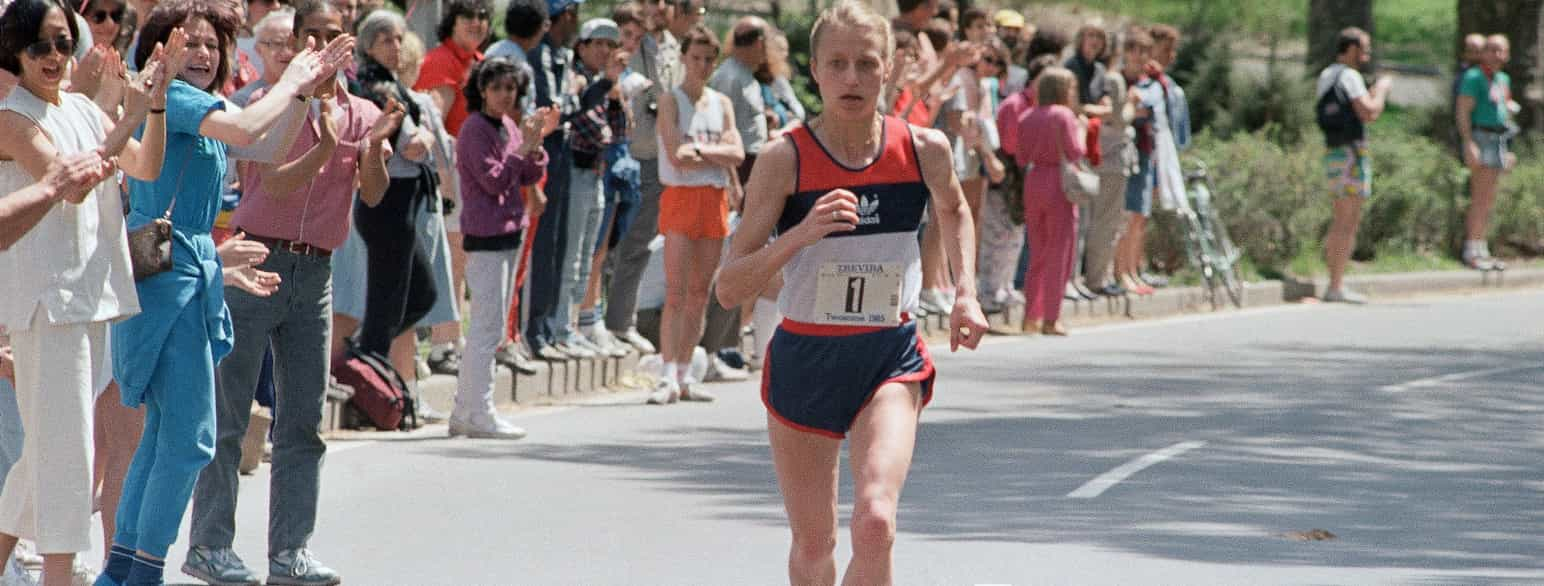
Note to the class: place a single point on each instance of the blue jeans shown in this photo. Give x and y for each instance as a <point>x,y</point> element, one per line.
<point>545,284</point>
<point>586,206</point>
<point>297,323</point>
<point>11,436</point>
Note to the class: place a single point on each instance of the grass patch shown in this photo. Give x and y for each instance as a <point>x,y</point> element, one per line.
<point>1310,263</point>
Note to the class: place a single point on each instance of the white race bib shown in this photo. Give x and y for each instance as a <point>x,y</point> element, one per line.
<point>859,294</point>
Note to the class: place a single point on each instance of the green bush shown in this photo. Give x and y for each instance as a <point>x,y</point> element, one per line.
<point>1274,200</point>
<point>1518,226</point>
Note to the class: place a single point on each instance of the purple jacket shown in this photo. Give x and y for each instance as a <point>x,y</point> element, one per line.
<point>492,175</point>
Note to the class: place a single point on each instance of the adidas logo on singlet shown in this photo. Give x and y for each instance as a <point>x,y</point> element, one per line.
<point>868,210</point>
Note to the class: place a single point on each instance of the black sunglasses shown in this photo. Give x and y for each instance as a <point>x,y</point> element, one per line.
<point>64,45</point>
<point>101,16</point>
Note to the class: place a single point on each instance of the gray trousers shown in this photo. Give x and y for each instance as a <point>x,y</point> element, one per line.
<point>632,253</point>
<point>297,322</point>
<point>1105,222</point>
<point>586,209</point>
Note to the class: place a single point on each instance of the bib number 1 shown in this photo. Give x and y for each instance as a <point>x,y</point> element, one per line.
<point>859,294</point>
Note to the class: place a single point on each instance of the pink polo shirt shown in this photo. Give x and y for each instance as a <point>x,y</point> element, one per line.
<point>318,213</point>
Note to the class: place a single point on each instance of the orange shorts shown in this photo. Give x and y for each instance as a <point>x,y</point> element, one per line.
<point>699,212</point>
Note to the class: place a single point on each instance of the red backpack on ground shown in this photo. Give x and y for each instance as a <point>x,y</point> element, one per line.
<point>380,394</point>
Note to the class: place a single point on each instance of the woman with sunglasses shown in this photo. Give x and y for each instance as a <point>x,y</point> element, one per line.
<point>184,328</point>
<point>69,276</point>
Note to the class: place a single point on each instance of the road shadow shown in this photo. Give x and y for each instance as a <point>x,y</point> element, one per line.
<point>1299,437</point>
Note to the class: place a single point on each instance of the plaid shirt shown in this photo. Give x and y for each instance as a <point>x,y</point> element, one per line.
<point>600,122</point>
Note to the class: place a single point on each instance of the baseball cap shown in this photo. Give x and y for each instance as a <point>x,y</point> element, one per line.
<point>600,28</point>
<point>1009,19</point>
<point>556,7</point>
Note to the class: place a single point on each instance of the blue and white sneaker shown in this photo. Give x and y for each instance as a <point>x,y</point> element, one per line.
<point>218,566</point>
<point>298,567</point>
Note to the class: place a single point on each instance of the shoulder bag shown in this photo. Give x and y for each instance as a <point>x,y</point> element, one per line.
<point>1079,184</point>
<point>150,245</point>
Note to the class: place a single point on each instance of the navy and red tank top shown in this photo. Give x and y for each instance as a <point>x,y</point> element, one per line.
<point>892,198</point>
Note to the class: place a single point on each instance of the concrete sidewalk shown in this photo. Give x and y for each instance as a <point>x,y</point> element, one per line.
<point>577,380</point>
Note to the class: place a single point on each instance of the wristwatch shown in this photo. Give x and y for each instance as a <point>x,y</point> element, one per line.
<point>697,150</point>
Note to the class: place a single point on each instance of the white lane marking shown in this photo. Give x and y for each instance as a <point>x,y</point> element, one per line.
<point>1436,381</point>
<point>1103,482</point>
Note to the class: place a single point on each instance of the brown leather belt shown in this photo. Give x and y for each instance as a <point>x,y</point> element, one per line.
<point>291,247</point>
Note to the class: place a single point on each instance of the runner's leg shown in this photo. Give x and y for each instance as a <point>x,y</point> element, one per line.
<point>883,438</point>
<point>807,477</point>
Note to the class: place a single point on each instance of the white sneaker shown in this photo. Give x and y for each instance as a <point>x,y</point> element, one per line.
<point>718,370</point>
<point>576,351</point>
<point>26,554</point>
<point>608,343</point>
<point>665,392</point>
<point>632,338</point>
<point>694,392</point>
<point>931,301</point>
<point>1344,295</point>
<point>486,426</point>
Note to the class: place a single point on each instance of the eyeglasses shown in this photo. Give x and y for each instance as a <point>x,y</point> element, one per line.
<point>101,16</point>
<point>64,45</point>
<point>279,45</point>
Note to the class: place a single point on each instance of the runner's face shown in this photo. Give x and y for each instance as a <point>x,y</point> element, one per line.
<point>699,62</point>
<point>851,69</point>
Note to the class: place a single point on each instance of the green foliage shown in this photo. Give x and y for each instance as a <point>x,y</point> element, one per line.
<point>798,31</point>
<point>1273,197</point>
<point>1519,221</point>
<point>1408,31</point>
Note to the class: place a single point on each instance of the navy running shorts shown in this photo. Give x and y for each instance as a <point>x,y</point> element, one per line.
<point>818,378</point>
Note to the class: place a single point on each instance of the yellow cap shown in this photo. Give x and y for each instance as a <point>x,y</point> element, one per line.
<point>1008,19</point>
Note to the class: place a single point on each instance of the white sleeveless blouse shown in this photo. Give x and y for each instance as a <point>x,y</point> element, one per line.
<point>74,265</point>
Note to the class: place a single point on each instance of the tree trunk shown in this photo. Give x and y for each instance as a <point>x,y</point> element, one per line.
<point>1326,18</point>
<point>1519,20</point>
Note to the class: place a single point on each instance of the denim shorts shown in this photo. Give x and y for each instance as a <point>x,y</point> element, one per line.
<point>1139,188</point>
<point>1493,147</point>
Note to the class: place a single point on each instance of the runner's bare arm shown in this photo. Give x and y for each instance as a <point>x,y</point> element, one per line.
<point>967,323</point>
<point>752,262</point>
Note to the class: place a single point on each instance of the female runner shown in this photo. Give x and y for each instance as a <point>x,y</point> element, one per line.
<point>846,195</point>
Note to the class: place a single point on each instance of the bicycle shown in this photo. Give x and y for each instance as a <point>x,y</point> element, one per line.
<point>1206,239</point>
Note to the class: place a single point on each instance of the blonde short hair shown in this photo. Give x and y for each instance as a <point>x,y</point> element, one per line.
<point>851,13</point>
<point>412,58</point>
<point>1053,84</point>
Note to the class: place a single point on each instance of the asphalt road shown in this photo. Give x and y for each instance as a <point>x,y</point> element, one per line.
<point>1173,452</point>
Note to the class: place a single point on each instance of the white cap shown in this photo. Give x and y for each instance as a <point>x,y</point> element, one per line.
<point>600,28</point>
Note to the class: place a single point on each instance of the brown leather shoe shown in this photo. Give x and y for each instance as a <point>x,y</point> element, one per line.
<point>1052,328</point>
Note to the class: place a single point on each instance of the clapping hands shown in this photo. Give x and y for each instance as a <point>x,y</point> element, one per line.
<point>74,176</point>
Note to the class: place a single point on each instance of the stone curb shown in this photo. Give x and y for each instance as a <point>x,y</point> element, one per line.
<point>577,380</point>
